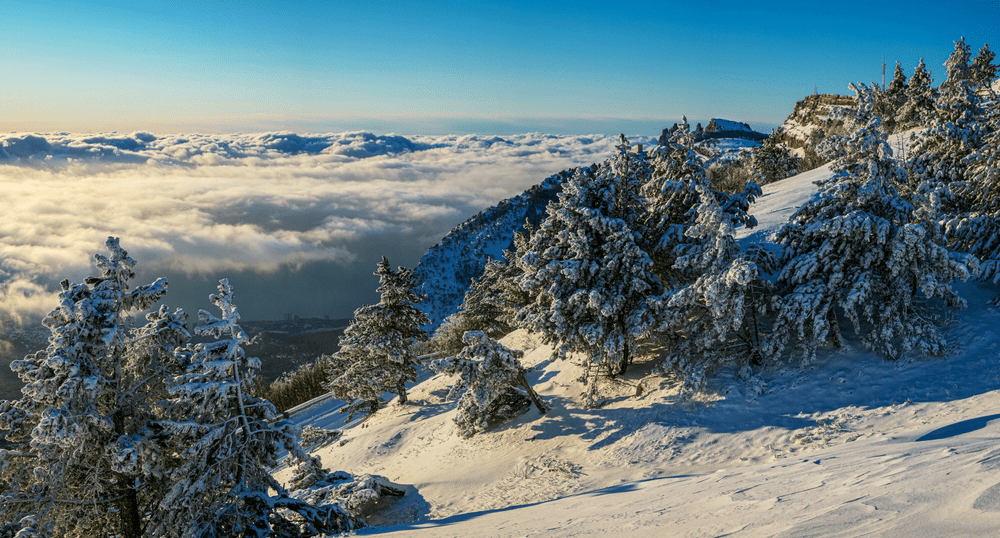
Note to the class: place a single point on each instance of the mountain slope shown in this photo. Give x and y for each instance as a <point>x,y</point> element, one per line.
<point>445,271</point>
<point>851,444</point>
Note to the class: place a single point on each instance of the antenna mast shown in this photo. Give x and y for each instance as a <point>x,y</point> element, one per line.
<point>883,72</point>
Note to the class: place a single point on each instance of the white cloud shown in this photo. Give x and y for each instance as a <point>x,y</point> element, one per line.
<point>207,205</point>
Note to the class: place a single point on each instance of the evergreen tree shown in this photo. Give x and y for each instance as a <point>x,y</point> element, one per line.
<point>672,193</point>
<point>488,374</point>
<point>713,321</point>
<point>374,356</point>
<point>86,458</point>
<point>226,442</point>
<point>861,247</point>
<point>973,217</point>
<point>940,160</point>
<point>957,93</point>
<point>919,109</point>
<point>984,71</point>
<point>586,270</point>
<point>890,102</point>
<point>773,161</point>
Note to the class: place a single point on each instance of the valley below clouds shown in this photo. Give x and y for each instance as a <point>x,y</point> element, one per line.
<point>297,222</point>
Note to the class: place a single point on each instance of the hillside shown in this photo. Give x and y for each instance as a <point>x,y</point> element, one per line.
<point>445,271</point>
<point>848,445</point>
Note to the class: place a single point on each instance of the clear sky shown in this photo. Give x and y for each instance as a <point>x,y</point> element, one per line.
<point>431,67</point>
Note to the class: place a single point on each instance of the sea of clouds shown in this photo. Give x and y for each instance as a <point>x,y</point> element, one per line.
<point>297,221</point>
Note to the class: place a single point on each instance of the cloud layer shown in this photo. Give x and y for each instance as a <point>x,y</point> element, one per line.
<point>279,208</point>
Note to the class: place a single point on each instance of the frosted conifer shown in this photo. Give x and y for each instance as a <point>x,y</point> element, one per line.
<point>772,161</point>
<point>488,373</point>
<point>86,458</point>
<point>226,441</point>
<point>958,95</point>
<point>984,71</point>
<point>973,224</point>
<point>921,97</point>
<point>889,103</point>
<point>585,268</point>
<point>672,192</point>
<point>374,356</point>
<point>714,320</point>
<point>860,247</point>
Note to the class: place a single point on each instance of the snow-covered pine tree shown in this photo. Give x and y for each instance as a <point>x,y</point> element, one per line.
<point>973,220</point>
<point>861,247</point>
<point>943,153</point>
<point>672,194</point>
<point>226,442</point>
<point>585,268</point>
<point>919,109</point>
<point>772,161</point>
<point>940,160</point>
<point>714,320</point>
<point>86,459</point>
<point>374,356</point>
<point>958,95</point>
<point>489,373</point>
<point>889,103</point>
<point>984,72</point>
<point>492,301</point>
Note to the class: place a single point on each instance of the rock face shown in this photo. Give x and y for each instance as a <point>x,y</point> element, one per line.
<point>720,128</point>
<point>815,118</point>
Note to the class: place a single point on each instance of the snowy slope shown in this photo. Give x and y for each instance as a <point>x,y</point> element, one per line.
<point>446,270</point>
<point>849,445</point>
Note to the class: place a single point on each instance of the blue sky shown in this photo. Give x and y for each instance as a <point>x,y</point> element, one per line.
<point>433,67</point>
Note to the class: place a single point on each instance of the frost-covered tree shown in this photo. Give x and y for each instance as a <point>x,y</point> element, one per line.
<point>958,95</point>
<point>488,376</point>
<point>85,457</point>
<point>984,71</point>
<point>374,356</point>
<point>715,320</point>
<point>491,302</point>
<point>940,160</point>
<point>889,103</point>
<point>973,216</point>
<point>861,248</point>
<point>672,193</point>
<point>772,161</point>
<point>226,442</point>
<point>585,268</point>
<point>944,153</point>
<point>919,109</point>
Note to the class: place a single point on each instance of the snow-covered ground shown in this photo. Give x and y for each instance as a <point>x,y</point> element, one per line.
<point>850,445</point>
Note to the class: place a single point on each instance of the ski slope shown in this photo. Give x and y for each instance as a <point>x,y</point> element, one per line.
<point>850,445</point>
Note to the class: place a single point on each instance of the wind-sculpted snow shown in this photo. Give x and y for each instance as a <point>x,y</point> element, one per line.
<point>316,210</point>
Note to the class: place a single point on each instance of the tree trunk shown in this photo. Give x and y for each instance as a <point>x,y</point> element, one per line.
<point>401,391</point>
<point>626,360</point>
<point>128,506</point>
<point>833,336</point>
<point>531,393</point>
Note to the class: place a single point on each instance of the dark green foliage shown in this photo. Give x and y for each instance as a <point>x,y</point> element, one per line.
<point>374,356</point>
